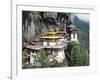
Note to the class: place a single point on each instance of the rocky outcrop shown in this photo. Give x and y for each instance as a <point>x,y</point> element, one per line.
<point>34,24</point>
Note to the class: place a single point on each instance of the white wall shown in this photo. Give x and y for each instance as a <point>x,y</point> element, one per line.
<point>49,43</point>
<point>74,37</point>
<point>5,36</point>
<point>61,55</point>
<point>52,43</point>
<point>44,43</point>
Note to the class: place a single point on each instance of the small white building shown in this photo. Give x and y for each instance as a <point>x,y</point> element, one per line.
<point>74,37</point>
<point>33,52</point>
<point>33,56</point>
<point>73,33</point>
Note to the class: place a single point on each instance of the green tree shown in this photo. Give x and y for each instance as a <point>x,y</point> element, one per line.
<point>43,59</point>
<point>78,57</point>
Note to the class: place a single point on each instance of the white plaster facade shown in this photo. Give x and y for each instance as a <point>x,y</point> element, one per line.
<point>74,37</point>
<point>60,56</point>
<point>49,43</point>
<point>52,43</point>
<point>44,43</point>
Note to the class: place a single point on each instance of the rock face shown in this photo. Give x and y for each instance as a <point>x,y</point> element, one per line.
<point>34,24</point>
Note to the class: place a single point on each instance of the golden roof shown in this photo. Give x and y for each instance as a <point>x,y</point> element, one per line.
<point>48,33</point>
<point>53,33</point>
<point>51,37</point>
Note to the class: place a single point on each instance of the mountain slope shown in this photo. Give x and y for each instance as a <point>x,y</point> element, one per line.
<point>83,35</point>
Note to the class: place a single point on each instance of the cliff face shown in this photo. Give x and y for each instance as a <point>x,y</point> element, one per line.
<point>34,24</point>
